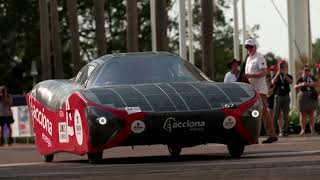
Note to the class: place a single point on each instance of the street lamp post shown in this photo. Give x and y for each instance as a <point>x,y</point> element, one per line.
<point>236,30</point>
<point>153,24</point>
<point>244,35</point>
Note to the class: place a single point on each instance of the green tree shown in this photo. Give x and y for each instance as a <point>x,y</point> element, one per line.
<point>222,38</point>
<point>20,36</point>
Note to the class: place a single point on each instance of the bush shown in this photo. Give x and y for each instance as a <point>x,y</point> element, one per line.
<point>294,122</point>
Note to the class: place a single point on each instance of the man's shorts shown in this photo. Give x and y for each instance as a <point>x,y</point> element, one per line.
<point>6,120</point>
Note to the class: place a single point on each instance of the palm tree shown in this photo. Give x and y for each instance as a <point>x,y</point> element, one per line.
<point>132,30</point>
<point>45,40</point>
<point>161,25</point>
<point>74,31</point>
<point>207,36</point>
<point>100,29</point>
<point>56,41</point>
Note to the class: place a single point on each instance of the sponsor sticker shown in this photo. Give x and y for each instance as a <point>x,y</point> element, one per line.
<point>229,122</point>
<point>230,105</point>
<point>138,126</point>
<point>131,110</point>
<point>78,127</point>
<point>63,136</point>
<point>47,140</point>
<point>70,130</point>
<point>61,114</point>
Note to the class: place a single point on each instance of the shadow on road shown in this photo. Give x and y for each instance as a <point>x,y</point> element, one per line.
<point>194,158</point>
<point>158,159</point>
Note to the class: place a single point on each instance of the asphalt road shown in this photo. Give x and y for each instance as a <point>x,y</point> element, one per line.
<point>290,158</point>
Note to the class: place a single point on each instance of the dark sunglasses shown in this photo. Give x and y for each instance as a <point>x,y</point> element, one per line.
<point>249,47</point>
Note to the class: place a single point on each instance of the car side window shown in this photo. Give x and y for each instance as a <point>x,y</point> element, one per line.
<point>84,75</point>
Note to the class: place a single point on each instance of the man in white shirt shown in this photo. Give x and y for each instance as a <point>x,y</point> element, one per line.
<point>256,71</point>
<point>232,75</point>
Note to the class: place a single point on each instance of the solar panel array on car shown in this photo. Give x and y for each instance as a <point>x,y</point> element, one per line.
<point>166,97</point>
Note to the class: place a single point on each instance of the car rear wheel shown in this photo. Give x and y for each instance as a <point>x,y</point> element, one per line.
<point>174,150</point>
<point>95,158</point>
<point>236,150</point>
<point>48,158</point>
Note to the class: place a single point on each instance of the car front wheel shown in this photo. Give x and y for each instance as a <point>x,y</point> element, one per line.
<point>95,157</point>
<point>48,158</point>
<point>174,150</point>
<point>235,150</point>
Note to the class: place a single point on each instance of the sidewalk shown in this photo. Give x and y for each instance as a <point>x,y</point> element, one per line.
<point>18,146</point>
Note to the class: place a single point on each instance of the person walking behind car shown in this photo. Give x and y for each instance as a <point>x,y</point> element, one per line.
<point>307,99</point>
<point>281,82</point>
<point>232,75</point>
<point>5,114</point>
<point>256,71</point>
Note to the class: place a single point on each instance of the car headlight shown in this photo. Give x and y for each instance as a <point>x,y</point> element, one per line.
<point>254,111</point>
<point>100,117</point>
<point>103,125</point>
<point>251,118</point>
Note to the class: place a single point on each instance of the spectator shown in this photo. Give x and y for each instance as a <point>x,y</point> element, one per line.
<point>269,77</point>
<point>5,114</point>
<point>232,75</point>
<point>256,71</point>
<point>281,82</point>
<point>318,90</point>
<point>307,99</point>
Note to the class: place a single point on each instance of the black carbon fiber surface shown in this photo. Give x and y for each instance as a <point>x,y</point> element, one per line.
<point>168,97</point>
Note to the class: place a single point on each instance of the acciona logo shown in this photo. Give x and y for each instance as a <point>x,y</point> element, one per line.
<point>40,117</point>
<point>171,123</point>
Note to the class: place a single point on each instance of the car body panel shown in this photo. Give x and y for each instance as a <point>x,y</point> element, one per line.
<point>76,116</point>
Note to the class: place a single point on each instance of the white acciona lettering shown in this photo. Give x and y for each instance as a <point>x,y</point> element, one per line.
<point>41,118</point>
<point>171,123</point>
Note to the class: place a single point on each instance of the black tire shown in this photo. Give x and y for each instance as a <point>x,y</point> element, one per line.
<point>174,150</point>
<point>48,158</point>
<point>236,150</point>
<point>95,158</point>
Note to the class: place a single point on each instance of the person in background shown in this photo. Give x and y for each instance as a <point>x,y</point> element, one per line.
<point>232,75</point>
<point>5,114</point>
<point>269,77</point>
<point>281,82</point>
<point>256,71</point>
<point>307,99</point>
<point>318,91</point>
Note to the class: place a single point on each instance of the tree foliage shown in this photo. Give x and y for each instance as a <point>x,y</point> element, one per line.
<point>20,36</point>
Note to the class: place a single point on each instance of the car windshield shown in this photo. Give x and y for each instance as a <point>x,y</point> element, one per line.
<point>146,69</point>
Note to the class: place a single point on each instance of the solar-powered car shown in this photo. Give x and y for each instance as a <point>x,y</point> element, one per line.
<point>141,99</point>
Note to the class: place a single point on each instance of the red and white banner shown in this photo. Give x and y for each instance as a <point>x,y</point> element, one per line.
<point>22,122</point>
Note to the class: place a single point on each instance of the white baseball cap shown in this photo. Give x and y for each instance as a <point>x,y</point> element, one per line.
<point>250,42</point>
